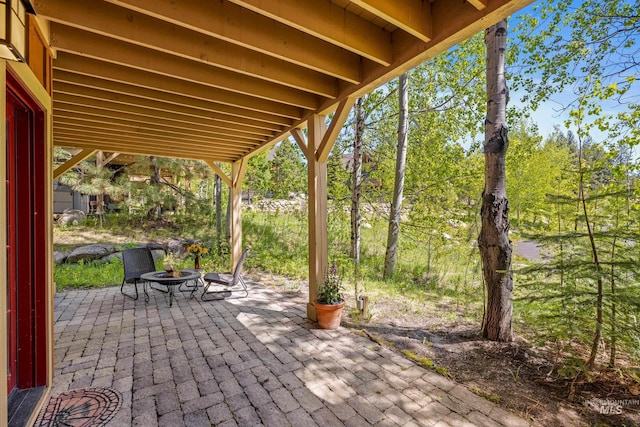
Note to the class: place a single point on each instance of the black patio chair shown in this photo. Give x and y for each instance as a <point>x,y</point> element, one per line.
<point>229,285</point>
<point>137,261</point>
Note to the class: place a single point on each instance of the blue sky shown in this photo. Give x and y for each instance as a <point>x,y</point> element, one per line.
<point>550,113</point>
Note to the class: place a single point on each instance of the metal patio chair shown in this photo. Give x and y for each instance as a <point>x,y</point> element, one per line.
<point>229,285</point>
<point>137,261</point>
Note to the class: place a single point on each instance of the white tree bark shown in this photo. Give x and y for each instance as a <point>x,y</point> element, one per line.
<point>495,246</point>
<point>218,202</point>
<point>356,180</point>
<point>398,189</point>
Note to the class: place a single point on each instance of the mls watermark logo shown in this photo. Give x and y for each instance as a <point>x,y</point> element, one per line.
<point>610,406</point>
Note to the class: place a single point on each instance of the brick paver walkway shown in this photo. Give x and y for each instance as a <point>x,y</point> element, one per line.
<point>245,362</point>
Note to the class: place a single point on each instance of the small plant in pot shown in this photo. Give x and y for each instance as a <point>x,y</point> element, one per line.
<point>330,300</point>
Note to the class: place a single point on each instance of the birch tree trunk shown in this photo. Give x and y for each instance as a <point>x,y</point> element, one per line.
<point>495,246</point>
<point>217,191</point>
<point>356,178</point>
<point>398,188</point>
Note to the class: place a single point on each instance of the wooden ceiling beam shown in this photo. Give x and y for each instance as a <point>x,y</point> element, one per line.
<point>329,22</point>
<point>104,122</point>
<point>134,149</point>
<point>117,142</point>
<point>90,45</point>
<point>63,109</point>
<point>412,16</point>
<point>86,70</point>
<point>69,80</point>
<point>112,98</point>
<point>123,24</point>
<point>478,4</point>
<point>159,137</point>
<point>229,22</point>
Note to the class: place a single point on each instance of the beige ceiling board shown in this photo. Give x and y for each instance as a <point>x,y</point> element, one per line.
<point>95,114</point>
<point>118,99</point>
<point>234,76</point>
<point>246,28</point>
<point>123,132</point>
<point>104,122</point>
<point>118,141</point>
<point>83,43</point>
<point>138,149</point>
<point>109,20</point>
<point>217,98</point>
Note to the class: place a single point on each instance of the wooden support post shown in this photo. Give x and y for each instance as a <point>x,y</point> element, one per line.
<point>237,174</point>
<point>317,207</point>
<point>72,162</point>
<point>317,148</point>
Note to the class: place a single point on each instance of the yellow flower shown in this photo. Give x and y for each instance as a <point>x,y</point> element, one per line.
<point>197,249</point>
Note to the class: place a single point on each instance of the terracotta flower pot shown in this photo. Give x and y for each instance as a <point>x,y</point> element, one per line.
<point>329,315</point>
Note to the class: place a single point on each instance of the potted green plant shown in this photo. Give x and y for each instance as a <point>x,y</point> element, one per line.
<point>330,300</point>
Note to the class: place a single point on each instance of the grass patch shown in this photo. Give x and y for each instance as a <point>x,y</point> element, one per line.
<point>88,275</point>
<point>425,362</point>
<point>490,397</point>
<point>279,246</point>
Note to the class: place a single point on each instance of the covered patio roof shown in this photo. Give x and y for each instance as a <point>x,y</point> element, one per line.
<point>221,80</point>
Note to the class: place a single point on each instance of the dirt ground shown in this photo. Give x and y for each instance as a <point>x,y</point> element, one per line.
<point>513,375</point>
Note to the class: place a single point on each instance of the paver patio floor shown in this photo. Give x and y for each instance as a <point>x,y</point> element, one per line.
<point>250,361</point>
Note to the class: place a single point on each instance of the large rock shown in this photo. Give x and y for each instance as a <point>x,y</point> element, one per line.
<point>108,258</point>
<point>59,257</point>
<point>71,216</point>
<point>90,253</point>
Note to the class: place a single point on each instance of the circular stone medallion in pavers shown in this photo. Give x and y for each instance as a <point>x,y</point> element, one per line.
<point>82,407</point>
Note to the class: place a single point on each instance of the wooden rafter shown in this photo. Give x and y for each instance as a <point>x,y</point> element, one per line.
<point>478,4</point>
<point>234,75</point>
<point>412,16</point>
<point>152,108</point>
<point>185,124</point>
<point>83,43</point>
<point>103,18</point>
<point>143,148</point>
<point>103,75</point>
<point>227,22</point>
<point>327,21</point>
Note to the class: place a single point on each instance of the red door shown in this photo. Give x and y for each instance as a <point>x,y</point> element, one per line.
<point>26,232</point>
<point>11,252</point>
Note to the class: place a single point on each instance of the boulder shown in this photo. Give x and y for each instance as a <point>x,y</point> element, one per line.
<point>108,258</point>
<point>155,245</point>
<point>71,216</point>
<point>90,253</point>
<point>59,257</point>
